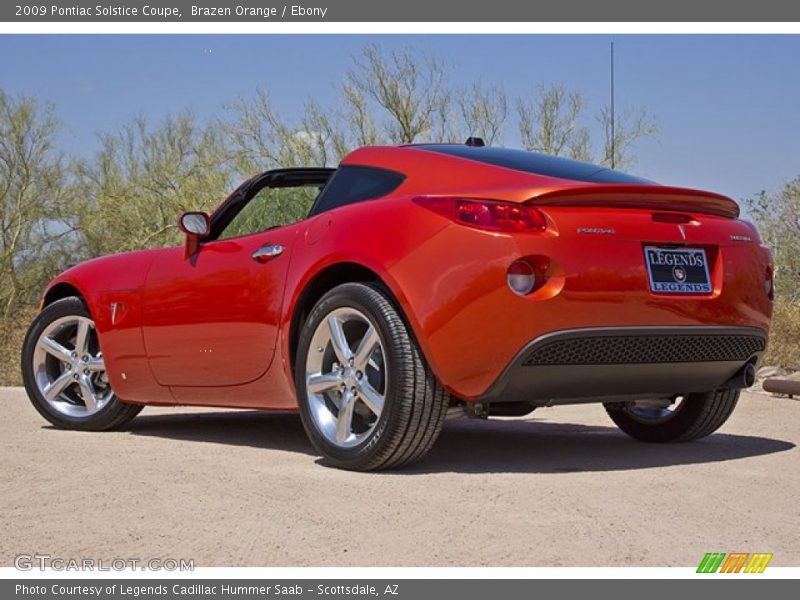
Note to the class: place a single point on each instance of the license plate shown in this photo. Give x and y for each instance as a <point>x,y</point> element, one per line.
<point>677,270</point>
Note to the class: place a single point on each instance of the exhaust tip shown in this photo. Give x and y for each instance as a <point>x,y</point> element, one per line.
<point>744,378</point>
<point>749,375</point>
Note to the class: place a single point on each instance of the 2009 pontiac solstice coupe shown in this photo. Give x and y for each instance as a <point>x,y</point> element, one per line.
<point>415,282</point>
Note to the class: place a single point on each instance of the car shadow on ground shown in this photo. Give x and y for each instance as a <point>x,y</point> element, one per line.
<point>466,446</point>
<point>539,446</point>
<point>276,431</point>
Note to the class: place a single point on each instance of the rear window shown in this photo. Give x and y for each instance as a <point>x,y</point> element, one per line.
<point>352,184</point>
<point>540,164</point>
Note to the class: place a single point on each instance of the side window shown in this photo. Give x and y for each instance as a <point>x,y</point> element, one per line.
<point>352,184</point>
<point>271,207</point>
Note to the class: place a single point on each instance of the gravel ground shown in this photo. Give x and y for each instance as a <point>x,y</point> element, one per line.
<point>561,487</point>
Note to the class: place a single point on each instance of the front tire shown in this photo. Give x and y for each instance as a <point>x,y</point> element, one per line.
<point>693,417</point>
<point>64,372</point>
<point>367,398</point>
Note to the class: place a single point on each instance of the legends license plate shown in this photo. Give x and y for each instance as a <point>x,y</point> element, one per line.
<point>677,270</point>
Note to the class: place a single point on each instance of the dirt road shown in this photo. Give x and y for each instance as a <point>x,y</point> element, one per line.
<point>560,487</point>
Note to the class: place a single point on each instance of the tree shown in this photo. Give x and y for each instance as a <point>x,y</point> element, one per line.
<point>630,126</point>
<point>409,87</point>
<point>259,138</point>
<point>360,123</point>
<point>483,112</point>
<point>777,217</point>
<point>34,196</point>
<point>551,122</point>
<point>143,178</point>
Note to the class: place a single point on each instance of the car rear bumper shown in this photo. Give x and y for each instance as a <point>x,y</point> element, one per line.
<point>470,325</point>
<point>607,363</point>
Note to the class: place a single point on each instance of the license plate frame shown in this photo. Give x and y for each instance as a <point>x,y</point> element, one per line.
<point>677,271</point>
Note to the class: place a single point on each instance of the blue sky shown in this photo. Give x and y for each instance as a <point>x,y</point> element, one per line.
<point>728,107</point>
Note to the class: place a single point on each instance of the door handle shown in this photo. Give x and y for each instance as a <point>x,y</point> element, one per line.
<point>266,253</point>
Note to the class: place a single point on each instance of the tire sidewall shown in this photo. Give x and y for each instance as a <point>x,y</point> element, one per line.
<point>667,430</point>
<point>359,297</point>
<point>676,427</point>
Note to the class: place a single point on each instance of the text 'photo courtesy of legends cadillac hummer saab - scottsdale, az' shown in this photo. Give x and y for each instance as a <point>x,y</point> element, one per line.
<point>413,283</point>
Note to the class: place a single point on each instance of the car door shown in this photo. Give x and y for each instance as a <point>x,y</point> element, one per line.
<point>211,318</point>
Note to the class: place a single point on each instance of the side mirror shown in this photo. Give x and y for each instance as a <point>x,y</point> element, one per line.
<point>196,225</point>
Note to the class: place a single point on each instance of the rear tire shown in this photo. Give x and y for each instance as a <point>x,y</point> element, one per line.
<point>61,358</point>
<point>377,408</point>
<point>697,416</point>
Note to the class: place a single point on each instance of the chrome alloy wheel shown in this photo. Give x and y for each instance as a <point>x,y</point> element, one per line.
<point>68,367</point>
<point>346,377</point>
<point>655,411</point>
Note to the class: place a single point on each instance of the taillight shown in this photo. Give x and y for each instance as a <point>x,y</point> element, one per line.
<point>491,215</point>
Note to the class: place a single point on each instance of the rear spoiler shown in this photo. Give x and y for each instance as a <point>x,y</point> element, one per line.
<point>655,197</point>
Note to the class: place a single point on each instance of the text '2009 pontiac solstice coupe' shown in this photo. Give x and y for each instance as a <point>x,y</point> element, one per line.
<point>411,283</point>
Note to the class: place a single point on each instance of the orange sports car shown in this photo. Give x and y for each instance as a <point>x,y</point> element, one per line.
<point>416,282</point>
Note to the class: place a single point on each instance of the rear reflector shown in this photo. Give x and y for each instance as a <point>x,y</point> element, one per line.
<point>769,284</point>
<point>520,277</point>
<point>490,215</point>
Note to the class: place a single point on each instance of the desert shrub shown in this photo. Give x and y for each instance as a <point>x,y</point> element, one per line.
<point>11,337</point>
<point>784,343</point>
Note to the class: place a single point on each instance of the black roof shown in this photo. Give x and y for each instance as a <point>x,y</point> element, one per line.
<point>533,162</point>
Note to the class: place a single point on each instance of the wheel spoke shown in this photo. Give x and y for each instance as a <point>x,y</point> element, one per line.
<point>339,341</point>
<point>371,397</point>
<point>95,364</point>
<point>344,420</point>
<point>58,385</point>
<point>82,337</point>
<point>365,348</point>
<point>53,348</point>
<point>79,387</point>
<point>317,384</point>
<point>345,361</point>
<point>87,393</point>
